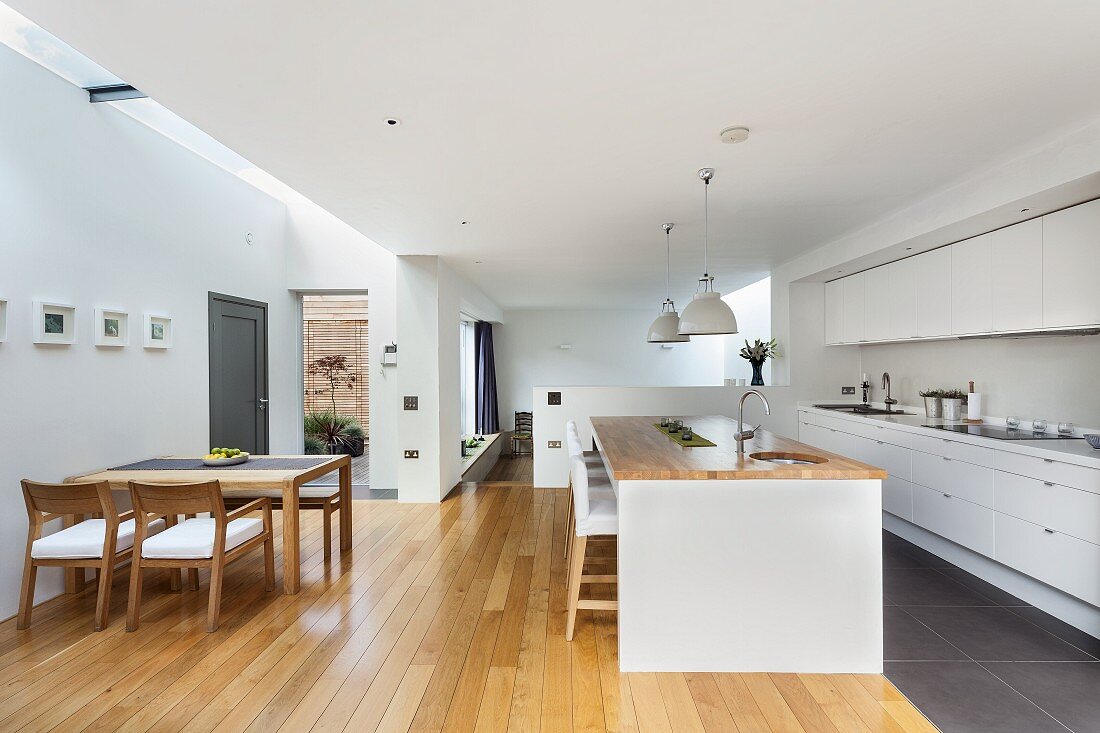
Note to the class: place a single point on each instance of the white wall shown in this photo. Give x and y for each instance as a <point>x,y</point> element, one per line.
<point>98,210</point>
<point>752,305</point>
<point>325,254</point>
<point>582,403</point>
<point>609,348</point>
<point>430,299</point>
<point>1053,377</point>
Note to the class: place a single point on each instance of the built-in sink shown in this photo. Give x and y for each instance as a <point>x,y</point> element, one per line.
<point>861,409</point>
<point>789,459</point>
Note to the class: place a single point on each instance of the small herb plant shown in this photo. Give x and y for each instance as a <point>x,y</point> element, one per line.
<point>931,393</point>
<point>953,394</point>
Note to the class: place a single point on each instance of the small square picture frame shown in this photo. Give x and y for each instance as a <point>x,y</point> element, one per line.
<point>3,320</point>
<point>157,331</point>
<point>53,323</point>
<point>112,327</point>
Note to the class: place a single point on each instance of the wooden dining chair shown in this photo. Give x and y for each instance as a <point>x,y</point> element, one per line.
<point>324,498</point>
<point>101,542</point>
<point>198,542</point>
<point>523,432</point>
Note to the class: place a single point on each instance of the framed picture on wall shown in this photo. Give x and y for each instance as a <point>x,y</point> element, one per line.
<point>54,323</point>
<point>112,327</point>
<point>158,331</point>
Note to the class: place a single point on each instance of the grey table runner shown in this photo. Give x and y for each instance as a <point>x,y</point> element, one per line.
<point>258,463</point>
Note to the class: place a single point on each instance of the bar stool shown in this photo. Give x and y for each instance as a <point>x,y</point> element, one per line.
<point>592,517</point>
<point>599,485</point>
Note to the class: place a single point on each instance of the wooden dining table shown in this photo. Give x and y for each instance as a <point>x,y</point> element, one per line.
<point>259,477</point>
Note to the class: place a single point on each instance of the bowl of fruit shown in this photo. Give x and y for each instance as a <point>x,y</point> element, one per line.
<point>224,457</point>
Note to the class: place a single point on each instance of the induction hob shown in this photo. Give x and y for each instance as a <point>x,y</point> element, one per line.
<point>999,433</point>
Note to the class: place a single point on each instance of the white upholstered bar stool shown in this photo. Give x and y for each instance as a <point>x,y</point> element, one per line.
<point>593,516</point>
<point>599,485</point>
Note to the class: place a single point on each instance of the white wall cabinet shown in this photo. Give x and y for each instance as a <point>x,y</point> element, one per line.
<point>932,274</point>
<point>1071,242</point>
<point>1037,274</point>
<point>1017,276</point>
<point>854,295</point>
<point>971,286</point>
<point>834,312</point>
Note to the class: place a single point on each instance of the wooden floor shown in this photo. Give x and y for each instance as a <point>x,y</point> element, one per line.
<point>520,469</point>
<point>447,617</point>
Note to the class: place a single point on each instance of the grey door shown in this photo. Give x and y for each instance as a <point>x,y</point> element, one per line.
<point>238,373</point>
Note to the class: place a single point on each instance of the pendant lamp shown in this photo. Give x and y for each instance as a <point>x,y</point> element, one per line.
<point>707,314</point>
<point>665,329</point>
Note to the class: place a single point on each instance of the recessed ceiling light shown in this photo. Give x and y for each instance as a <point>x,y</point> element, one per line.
<point>477,262</point>
<point>907,249</point>
<point>393,121</point>
<point>465,222</point>
<point>733,135</point>
<point>1024,211</point>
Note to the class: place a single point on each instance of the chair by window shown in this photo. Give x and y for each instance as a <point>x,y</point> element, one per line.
<point>202,542</point>
<point>101,542</point>
<point>523,433</point>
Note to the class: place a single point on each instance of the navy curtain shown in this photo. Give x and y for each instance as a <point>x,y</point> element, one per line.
<point>485,380</point>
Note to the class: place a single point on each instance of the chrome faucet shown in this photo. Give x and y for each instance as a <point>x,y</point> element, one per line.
<point>742,434</point>
<point>890,401</point>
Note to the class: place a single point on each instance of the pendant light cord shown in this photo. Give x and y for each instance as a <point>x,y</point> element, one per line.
<point>668,261</point>
<point>706,225</point>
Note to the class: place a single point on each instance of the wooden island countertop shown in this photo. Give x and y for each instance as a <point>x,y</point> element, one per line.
<point>636,451</point>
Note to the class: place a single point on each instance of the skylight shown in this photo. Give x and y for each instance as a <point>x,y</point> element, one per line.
<point>26,37</point>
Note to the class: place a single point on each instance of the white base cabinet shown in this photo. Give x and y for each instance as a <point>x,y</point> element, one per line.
<point>1038,516</point>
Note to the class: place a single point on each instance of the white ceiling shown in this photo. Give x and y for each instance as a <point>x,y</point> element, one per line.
<point>566,132</point>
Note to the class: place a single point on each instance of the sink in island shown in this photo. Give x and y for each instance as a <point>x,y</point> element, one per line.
<point>766,561</point>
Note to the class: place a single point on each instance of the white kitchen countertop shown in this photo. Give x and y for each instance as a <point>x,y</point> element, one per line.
<point>1067,450</point>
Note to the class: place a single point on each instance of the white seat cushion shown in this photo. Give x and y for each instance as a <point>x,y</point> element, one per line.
<point>86,540</point>
<point>603,517</point>
<point>193,539</point>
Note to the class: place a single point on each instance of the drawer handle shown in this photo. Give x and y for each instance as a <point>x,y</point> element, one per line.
<point>1047,483</point>
<point>945,458</point>
<point>947,495</point>
<point>1048,531</point>
<point>1048,460</point>
<point>880,442</point>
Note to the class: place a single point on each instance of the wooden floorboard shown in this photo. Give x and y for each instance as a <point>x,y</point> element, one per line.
<point>441,618</point>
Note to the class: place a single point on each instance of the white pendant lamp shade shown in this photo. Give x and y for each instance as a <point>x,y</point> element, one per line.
<point>666,328</point>
<point>707,314</point>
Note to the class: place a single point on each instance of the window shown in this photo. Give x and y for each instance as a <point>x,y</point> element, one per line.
<point>467,384</point>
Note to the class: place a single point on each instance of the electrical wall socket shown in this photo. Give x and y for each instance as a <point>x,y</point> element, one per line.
<point>412,402</point>
<point>847,390</point>
<point>553,398</point>
<point>553,444</point>
<point>412,454</point>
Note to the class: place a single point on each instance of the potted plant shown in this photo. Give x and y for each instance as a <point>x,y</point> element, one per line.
<point>339,434</point>
<point>933,402</point>
<point>953,400</point>
<point>757,354</point>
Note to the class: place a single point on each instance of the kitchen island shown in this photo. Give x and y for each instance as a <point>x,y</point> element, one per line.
<point>730,563</point>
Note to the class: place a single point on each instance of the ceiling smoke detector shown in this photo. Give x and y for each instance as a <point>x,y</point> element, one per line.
<point>733,135</point>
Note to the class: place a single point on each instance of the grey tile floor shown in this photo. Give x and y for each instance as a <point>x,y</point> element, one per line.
<point>975,659</point>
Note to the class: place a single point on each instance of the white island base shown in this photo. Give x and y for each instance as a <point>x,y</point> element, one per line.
<point>754,575</point>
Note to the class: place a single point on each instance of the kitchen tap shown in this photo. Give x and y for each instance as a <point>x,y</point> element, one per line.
<point>743,435</point>
<point>890,401</point>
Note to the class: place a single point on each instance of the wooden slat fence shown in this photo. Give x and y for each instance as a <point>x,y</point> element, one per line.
<point>337,325</point>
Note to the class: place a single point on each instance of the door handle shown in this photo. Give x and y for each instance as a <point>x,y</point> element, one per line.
<point>263,403</point>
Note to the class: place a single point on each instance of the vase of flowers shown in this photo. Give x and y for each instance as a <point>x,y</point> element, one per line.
<point>756,354</point>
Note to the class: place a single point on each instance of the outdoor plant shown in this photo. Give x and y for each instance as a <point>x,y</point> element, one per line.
<point>336,371</point>
<point>314,446</point>
<point>330,428</point>
<point>759,351</point>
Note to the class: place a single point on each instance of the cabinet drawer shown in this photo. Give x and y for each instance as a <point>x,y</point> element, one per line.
<point>897,497</point>
<point>1057,559</point>
<point>959,478</point>
<point>896,460</point>
<point>806,418</point>
<point>958,520</point>
<point>1061,508</point>
<point>955,450</point>
<point>813,435</point>
<point>1044,469</point>
<point>834,423</point>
